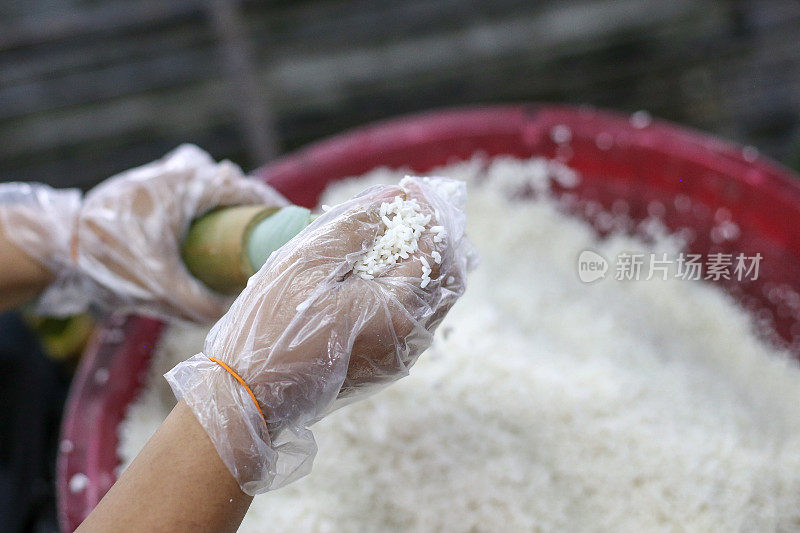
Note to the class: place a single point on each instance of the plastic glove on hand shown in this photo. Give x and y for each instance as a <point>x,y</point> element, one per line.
<point>119,248</point>
<point>309,334</point>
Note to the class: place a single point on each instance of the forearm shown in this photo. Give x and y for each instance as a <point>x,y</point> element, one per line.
<point>22,278</point>
<point>177,483</point>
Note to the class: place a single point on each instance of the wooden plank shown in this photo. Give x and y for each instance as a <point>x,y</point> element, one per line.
<point>100,18</point>
<point>730,67</point>
<point>50,61</point>
<point>167,69</point>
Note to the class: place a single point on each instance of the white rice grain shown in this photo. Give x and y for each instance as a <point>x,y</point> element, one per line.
<point>404,225</point>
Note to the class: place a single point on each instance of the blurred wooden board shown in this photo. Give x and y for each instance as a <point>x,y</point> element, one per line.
<point>91,88</point>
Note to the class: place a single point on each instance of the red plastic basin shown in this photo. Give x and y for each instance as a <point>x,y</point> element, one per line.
<point>637,161</point>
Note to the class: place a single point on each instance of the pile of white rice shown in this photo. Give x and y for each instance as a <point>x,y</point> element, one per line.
<point>547,404</point>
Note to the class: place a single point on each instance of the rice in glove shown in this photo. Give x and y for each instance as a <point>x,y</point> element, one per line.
<point>341,310</point>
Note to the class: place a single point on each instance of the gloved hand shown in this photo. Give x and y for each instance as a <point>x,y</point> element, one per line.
<point>308,334</point>
<point>119,247</point>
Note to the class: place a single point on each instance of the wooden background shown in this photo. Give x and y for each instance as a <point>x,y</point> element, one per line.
<point>89,88</point>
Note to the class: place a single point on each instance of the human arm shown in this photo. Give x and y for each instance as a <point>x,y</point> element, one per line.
<point>307,336</point>
<point>176,483</point>
<point>22,278</point>
<point>118,247</point>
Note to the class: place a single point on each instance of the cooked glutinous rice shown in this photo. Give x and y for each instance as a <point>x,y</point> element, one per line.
<point>403,226</point>
<point>546,404</point>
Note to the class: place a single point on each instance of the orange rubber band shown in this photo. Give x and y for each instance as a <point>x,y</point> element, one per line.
<point>238,378</point>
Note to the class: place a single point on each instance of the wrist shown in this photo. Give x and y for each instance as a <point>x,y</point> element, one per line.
<point>227,413</point>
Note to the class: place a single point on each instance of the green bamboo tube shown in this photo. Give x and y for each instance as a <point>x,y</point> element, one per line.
<point>215,248</point>
<point>226,246</point>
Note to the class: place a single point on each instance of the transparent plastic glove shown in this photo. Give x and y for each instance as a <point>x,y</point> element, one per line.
<point>120,247</point>
<point>307,335</point>
<point>40,220</point>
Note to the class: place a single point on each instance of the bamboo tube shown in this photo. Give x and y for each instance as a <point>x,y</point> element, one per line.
<point>215,247</point>
<point>224,247</point>
<point>275,231</point>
